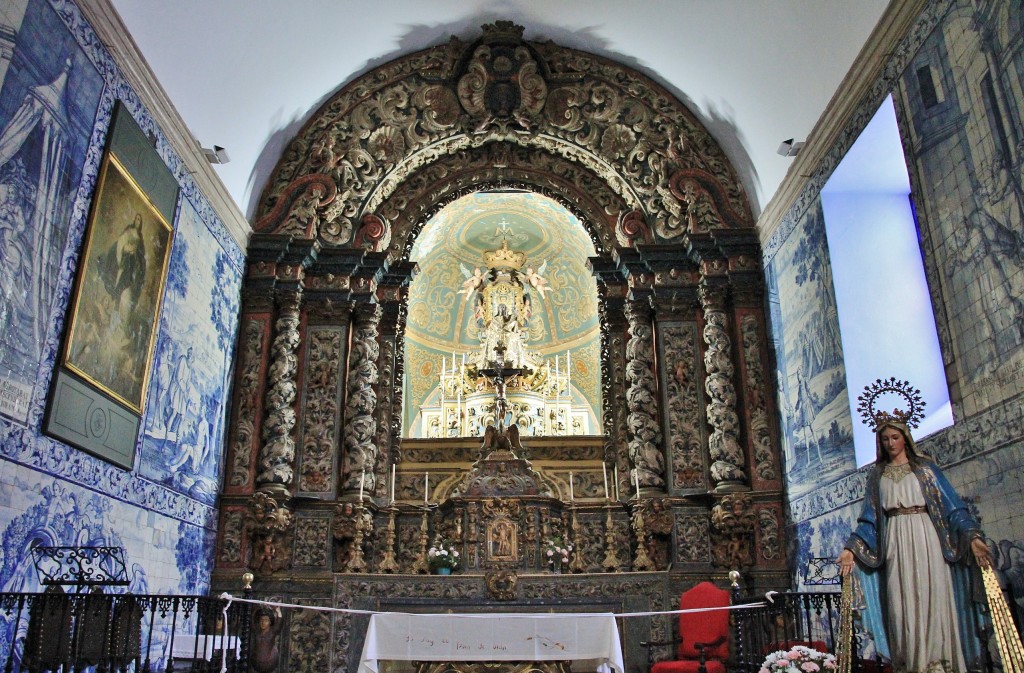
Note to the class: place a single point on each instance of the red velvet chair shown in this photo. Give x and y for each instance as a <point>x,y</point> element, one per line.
<point>703,636</point>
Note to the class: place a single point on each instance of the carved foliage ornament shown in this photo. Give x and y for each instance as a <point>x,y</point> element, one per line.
<point>268,524</point>
<point>732,524</point>
<point>366,139</point>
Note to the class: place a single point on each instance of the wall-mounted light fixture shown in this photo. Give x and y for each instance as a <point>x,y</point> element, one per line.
<point>217,155</point>
<point>788,148</point>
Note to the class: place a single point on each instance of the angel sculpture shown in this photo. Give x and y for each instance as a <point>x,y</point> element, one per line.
<point>536,279</point>
<point>474,279</point>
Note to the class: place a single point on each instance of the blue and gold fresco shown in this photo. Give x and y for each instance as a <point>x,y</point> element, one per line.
<point>441,320</point>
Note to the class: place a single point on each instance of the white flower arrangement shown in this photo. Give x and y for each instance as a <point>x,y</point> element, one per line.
<point>556,550</point>
<point>443,554</point>
<point>799,659</point>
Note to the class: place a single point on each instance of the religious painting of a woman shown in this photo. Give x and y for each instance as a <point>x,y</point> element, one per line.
<point>913,549</point>
<point>121,282</point>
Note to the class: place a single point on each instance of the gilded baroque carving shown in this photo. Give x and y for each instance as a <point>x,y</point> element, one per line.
<point>397,391</point>
<point>278,453</point>
<point>268,524</point>
<point>352,531</point>
<point>765,454</point>
<point>723,444</point>
<point>231,537</point>
<point>251,348</point>
<point>501,584</point>
<point>403,116</point>
<point>769,539</point>
<point>311,541</point>
<point>309,631</point>
<point>498,165</point>
<point>321,409</point>
<point>692,537</point>
<point>681,408</point>
<point>641,400</point>
<point>360,454</point>
<point>386,381</point>
<point>296,212</point>
<point>732,524</point>
<point>656,524</point>
<point>632,229</point>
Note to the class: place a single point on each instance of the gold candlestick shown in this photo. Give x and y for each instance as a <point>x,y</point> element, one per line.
<point>420,565</point>
<point>612,563</point>
<point>356,562</point>
<point>389,564</point>
<point>642,560</point>
<point>576,565</point>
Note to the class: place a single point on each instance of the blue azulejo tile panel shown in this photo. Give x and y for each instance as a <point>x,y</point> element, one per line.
<point>816,426</point>
<point>58,87</point>
<point>186,406</point>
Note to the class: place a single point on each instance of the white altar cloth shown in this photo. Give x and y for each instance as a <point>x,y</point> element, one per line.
<point>201,647</point>
<point>493,637</point>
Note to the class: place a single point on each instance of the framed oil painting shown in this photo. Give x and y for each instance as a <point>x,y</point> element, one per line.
<point>113,319</point>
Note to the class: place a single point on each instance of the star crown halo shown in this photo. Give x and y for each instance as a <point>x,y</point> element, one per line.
<point>874,418</point>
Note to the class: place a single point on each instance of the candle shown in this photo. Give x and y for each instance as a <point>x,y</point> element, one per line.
<point>426,486</point>
<point>362,481</point>
<point>604,470</point>
<point>636,480</point>
<point>615,480</point>
<point>572,496</point>
<point>568,375</point>
<point>393,483</point>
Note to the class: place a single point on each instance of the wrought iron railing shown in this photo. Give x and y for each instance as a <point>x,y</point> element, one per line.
<point>808,618</point>
<point>58,631</point>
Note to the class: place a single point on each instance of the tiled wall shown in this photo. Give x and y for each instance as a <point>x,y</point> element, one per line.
<point>964,141</point>
<point>162,511</point>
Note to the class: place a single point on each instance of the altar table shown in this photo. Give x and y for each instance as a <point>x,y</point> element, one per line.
<point>493,637</point>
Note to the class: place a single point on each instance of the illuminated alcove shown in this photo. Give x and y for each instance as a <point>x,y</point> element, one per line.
<point>442,329</point>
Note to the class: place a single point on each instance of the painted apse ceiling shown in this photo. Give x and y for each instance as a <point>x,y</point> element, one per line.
<point>441,321</point>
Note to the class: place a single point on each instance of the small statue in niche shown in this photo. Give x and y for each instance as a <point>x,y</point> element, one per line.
<point>265,651</point>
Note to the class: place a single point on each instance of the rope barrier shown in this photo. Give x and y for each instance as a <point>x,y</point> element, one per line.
<point>769,598</point>
<point>745,606</point>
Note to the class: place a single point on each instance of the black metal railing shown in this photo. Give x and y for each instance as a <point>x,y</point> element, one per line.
<point>793,618</point>
<point>58,631</point>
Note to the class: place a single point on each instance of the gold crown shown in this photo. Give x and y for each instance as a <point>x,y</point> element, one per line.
<point>911,416</point>
<point>504,257</point>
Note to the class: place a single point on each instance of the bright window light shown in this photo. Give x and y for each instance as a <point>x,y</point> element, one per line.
<point>885,312</point>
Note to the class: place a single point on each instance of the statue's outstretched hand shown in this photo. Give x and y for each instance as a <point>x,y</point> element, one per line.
<point>845,562</point>
<point>981,552</point>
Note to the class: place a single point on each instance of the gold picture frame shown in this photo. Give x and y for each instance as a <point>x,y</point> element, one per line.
<point>113,320</point>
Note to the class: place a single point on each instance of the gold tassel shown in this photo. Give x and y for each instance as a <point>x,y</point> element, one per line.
<point>1007,638</point>
<point>844,648</point>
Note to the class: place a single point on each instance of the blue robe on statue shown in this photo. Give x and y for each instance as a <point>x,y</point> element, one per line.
<point>954,526</point>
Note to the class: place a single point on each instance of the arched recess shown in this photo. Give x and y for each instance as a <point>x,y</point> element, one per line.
<point>684,355</point>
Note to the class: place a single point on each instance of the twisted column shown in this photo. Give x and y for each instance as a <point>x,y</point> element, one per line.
<point>727,459</point>
<point>277,455</point>
<point>642,399</point>
<point>359,459</point>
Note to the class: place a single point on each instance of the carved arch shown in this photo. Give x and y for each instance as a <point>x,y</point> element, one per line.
<point>382,135</point>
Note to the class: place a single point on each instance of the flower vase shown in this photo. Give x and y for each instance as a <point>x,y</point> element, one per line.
<point>444,571</point>
<point>555,566</point>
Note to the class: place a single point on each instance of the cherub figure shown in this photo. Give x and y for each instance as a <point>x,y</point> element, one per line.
<point>474,279</point>
<point>536,278</point>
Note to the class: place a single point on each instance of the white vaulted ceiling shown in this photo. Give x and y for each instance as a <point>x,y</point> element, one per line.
<point>246,74</point>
